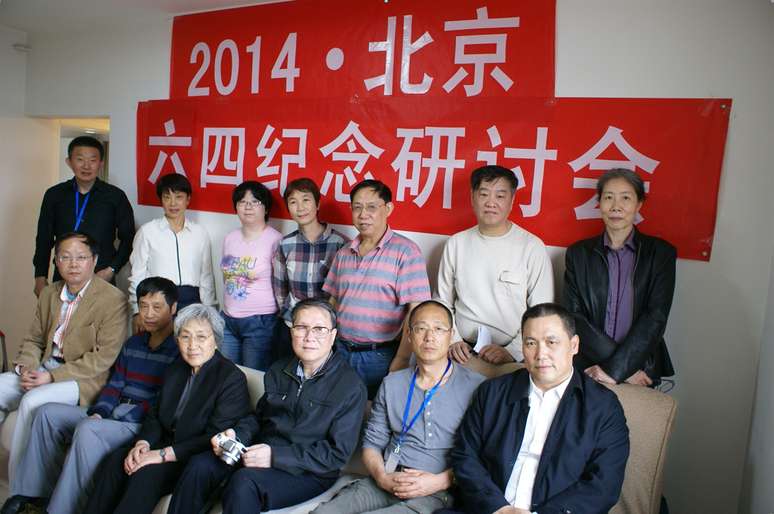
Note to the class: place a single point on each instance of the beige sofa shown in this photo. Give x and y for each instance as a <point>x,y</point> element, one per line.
<point>649,414</point>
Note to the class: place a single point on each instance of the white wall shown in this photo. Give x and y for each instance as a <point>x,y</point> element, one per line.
<point>757,493</point>
<point>13,76</point>
<point>28,149</point>
<point>628,48</point>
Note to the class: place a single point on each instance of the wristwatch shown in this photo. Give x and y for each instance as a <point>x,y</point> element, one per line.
<point>163,454</point>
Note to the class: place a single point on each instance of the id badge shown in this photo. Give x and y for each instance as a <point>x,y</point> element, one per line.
<point>392,460</point>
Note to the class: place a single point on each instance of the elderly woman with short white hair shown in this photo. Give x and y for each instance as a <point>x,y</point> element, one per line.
<point>203,394</point>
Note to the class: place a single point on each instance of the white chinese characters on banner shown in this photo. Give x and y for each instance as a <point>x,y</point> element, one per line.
<point>168,140</point>
<point>221,165</point>
<point>538,155</point>
<point>480,59</point>
<point>352,137</point>
<point>408,48</point>
<point>633,160</point>
<point>409,163</point>
<point>269,151</point>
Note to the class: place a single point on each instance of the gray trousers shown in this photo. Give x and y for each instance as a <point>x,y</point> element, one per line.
<point>365,496</point>
<point>13,397</point>
<point>47,461</point>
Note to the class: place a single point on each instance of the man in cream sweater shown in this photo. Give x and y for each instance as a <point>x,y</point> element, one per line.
<point>491,273</point>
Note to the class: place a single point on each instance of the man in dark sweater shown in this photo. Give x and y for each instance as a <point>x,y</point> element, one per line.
<point>48,469</point>
<point>85,204</point>
<point>303,430</point>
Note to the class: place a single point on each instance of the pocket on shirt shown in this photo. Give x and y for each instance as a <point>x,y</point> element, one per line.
<point>511,283</point>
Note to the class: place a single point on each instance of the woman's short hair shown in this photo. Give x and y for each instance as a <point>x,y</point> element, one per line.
<point>303,185</point>
<point>259,191</point>
<point>173,183</point>
<point>631,177</point>
<point>201,312</point>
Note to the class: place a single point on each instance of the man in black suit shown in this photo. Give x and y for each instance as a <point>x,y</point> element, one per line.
<point>545,439</point>
<point>303,430</point>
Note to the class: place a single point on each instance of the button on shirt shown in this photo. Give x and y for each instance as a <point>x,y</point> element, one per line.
<point>620,295</point>
<point>300,267</point>
<point>372,292</point>
<point>185,258</point>
<point>542,409</point>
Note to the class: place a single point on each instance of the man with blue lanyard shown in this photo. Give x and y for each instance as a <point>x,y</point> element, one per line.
<point>411,430</point>
<point>84,204</point>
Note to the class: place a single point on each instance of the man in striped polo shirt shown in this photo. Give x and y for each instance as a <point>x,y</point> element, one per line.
<point>48,469</point>
<point>374,282</point>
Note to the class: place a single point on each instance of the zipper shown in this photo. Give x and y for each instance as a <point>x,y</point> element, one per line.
<point>177,253</point>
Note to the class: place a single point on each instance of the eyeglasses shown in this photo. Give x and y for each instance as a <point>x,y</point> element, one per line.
<point>188,339</point>
<point>421,330</point>
<point>80,259</point>
<point>303,330</point>
<point>249,203</point>
<point>370,208</point>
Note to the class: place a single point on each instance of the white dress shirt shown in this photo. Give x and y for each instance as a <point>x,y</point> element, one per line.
<point>542,409</point>
<point>185,258</point>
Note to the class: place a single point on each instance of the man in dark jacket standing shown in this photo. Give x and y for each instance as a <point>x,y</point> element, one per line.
<point>85,204</point>
<point>303,430</point>
<point>545,439</point>
<point>619,287</point>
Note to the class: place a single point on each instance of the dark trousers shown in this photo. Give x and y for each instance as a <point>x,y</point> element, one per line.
<point>119,493</point>
<point>247,490</point>
<point>187,295</point>
<point>281,344</point>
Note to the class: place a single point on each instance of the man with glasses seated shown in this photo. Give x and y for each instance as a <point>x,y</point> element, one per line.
<point>374,282</point>
<point>79,327</point>
<point>303,430</point>
<point>411,430</point>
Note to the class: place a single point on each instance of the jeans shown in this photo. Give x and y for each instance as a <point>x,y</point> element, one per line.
<point>371,365</point>
<point>248,341</point>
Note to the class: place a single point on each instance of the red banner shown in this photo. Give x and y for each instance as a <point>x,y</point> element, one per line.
<point>424,149</point>
<point>367,49</point>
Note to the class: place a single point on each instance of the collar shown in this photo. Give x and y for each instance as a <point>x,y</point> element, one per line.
<point>521,384</point>
<point>166,343</point>
<point>557,390</point>
<point>98,184</point>
<point>511,228</point>
<point>629,243</point>
<point>64,294</point>
<point>164,223</point>
<point>355,244</point>
<point>300,368</point>
<point>326,233</point>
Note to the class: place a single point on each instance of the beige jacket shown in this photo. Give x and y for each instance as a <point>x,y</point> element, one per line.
<point>91,342</point>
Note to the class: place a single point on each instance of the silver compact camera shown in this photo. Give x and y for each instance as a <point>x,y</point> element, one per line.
<point>232,449</point>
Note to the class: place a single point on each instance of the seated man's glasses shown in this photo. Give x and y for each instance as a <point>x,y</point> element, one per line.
<point>316,332</point>
<point>80,259</point>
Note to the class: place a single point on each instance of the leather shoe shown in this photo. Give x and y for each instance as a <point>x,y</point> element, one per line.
<point>14,504</point>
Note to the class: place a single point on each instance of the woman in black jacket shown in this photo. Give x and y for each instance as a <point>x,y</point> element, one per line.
<point>619,286</point>
<point>203,393</point>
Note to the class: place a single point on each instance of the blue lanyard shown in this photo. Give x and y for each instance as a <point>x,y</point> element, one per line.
<point>405,429</point>
<point>79,212</point>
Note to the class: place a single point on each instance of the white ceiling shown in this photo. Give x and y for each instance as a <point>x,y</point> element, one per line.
<point>56,16</point>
